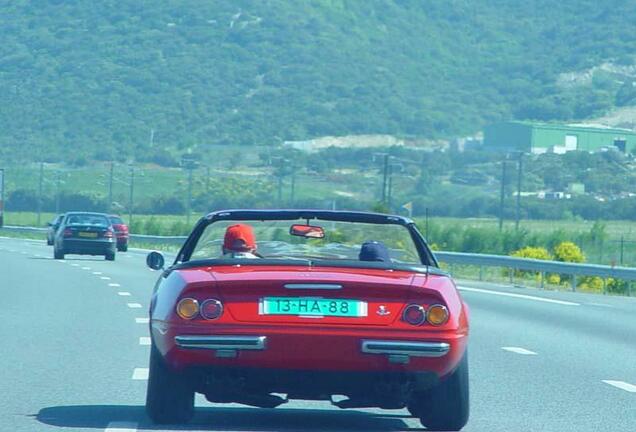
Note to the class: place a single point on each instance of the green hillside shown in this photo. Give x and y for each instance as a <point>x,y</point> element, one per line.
<point>93,79</point>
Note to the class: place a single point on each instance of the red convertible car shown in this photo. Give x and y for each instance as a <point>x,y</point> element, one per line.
<point>263,306</point>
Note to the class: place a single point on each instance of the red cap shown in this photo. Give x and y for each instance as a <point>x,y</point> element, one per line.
<point>239,238</point>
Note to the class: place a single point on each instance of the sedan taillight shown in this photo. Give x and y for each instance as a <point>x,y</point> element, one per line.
<point>68,232</point>
<point>108,233</point>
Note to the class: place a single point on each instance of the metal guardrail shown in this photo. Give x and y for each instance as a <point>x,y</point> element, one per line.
<point>542,267</point>
<point>172,240</point>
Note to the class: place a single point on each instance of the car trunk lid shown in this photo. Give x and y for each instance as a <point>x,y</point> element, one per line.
<point>313,294</point>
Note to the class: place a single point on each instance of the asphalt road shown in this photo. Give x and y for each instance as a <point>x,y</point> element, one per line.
<point>74,355</point>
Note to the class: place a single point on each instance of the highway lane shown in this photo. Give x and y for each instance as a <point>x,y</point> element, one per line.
<point>72,347</point>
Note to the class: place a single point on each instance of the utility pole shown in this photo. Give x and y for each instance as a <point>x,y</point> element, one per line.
<point>189,207</point>
<point>519,178</point>
<point>40,193</point>
<point>131,195</point>
<point>1,197</point>
<point>110,187</point>
<point>426,224</point>
<point>57,193</point>
<point>152,137</point>
<point>502,195</point>
<point>385,176</point>
<point>280,190</point>
<point>389,187</point>
<point>293,185</point>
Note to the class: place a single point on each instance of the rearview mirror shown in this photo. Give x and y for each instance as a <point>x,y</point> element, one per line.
<point>155,260</point>
<point>307,231</point>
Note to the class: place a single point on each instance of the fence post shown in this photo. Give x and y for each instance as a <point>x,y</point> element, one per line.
<point>510,275</point>
<point>604,286</point>
<point>542,280</point>
<point>573,282</point>
<point>481,273</point>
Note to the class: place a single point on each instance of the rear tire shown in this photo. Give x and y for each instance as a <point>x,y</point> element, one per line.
<point>49,242</point>
<point>123,248</point>
<point>169,398</point>
<point>446,406</point>
<point>59,255</point>
<point>110,256</point>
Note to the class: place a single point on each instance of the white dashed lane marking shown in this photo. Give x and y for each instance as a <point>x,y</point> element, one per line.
<point>123,293</point>
<point>631,388</point>
<point>144,340</point>
<point>114,285</point>
<point>140,374</point>
<point>74,264</point>
<point>86,268</point>
<point>134,305</point>
<point>142,320</point>
<point>104,278</point>
<point>520,296</point>
<point>118,426</point>
<point>97,273</point>
<point>518,350</point>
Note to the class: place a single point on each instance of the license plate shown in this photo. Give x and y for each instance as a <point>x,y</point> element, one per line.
<point>87,234</point>
<point>311,306</point>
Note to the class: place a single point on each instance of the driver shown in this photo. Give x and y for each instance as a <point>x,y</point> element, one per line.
<point>240,242</point>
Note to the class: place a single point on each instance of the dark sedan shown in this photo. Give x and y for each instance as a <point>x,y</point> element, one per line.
<point>85,234</point>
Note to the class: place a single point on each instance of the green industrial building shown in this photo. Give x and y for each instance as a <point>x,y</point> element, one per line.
<point>537,138</point>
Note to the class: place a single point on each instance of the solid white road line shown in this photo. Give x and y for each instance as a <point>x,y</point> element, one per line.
<point>118,426</point>
<point>134,305</point>
<point>104,278</point>
<point>140,374</point>
<point>518,350</point>
<point>521,296</point>
<point>123,293</point>
<point>114,284</point>
<point>144,340</point>
<point>142,320</point>
<point>622,385</point>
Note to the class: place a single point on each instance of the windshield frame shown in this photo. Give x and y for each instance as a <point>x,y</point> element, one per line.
<point>185,253</point>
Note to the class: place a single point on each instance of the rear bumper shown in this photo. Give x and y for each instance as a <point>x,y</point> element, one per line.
<point>95,247</point>
<point>234,344</point>
<point>405,348</point>
<point>308,348</point>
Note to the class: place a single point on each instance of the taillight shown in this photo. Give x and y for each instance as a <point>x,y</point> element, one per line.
<point>108,233</point>
<point>437,315</point>
<point>211,309</point>
<point>187,308</point>
<point>68,232</point>
<point>414,314</point>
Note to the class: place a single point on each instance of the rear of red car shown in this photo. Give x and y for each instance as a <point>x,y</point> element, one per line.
<point>121,232</point>
<point>263,330</point>
<point>310,333</point>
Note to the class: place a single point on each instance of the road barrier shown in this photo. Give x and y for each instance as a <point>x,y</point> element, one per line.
<point>541,267</point>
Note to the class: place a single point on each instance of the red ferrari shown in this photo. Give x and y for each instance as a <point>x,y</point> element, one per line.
<point>263,306</point>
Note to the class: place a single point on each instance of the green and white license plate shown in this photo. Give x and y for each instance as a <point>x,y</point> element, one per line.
<point>87,234</point>
<point>312,306</point>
